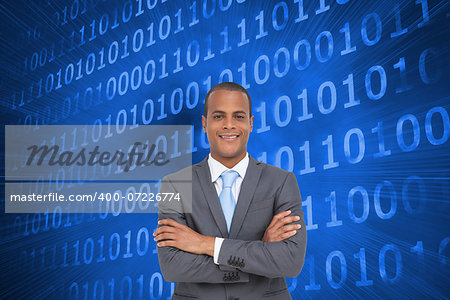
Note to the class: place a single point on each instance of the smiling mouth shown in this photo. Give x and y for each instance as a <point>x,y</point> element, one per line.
<point>229,137</point>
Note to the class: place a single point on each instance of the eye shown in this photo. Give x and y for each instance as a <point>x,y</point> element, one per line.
<point>217,117</point>
<point>240,117</point>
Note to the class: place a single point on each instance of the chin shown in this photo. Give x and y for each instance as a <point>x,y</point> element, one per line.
<point>228,154</point>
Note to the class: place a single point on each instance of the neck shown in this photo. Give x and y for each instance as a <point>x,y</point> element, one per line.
<point>229,162</point>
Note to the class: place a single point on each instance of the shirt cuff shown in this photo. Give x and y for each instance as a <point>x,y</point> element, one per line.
<point>217,244</point>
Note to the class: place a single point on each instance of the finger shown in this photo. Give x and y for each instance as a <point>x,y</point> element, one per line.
<point>282,214</point>
<point>288,234</point>
<point>168,243</point>
<point>157,231</point>
<point>280,236</point>
<point>290,219</point>
<point>285,220</point>
<point>278,217</point>
<point>291,227</point>
<point>165,236</point>
<point>169,222</point>
<point>164,229</point>
<point>286,228</point>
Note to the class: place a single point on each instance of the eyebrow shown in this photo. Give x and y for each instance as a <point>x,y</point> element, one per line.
<point>235,112</point>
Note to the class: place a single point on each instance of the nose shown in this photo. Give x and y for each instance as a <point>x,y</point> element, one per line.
<point>228,123</point>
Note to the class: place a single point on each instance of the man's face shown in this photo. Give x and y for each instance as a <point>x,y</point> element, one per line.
<point>228,125</point>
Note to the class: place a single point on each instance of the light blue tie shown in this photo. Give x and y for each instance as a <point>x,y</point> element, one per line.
<point>226,196</point>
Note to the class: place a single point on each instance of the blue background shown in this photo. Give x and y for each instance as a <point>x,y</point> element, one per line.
<point>351,96</point>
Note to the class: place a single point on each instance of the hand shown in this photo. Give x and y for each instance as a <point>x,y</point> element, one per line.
<point>278,231</point>
<point>184,238</point>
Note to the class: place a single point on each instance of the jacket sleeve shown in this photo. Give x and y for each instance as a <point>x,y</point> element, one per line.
<point>271,259</point>
<point>180,266</point>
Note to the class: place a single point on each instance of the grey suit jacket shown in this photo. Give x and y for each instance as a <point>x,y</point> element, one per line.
<point>248,268</point>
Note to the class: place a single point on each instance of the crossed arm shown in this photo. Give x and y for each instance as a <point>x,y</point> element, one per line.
<point>187,256</point>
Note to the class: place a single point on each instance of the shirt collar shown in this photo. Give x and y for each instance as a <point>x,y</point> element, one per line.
<point>216,168</point>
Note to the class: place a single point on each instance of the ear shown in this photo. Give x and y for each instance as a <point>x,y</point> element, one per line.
<point>204,123</point>
<point>251,123</point>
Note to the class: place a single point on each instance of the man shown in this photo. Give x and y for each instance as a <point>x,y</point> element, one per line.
<point>246,231</point>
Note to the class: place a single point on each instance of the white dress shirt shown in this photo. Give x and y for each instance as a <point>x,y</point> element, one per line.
<point>216,169</point>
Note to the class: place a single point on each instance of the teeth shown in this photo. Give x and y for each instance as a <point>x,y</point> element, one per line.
<point>229,137</point>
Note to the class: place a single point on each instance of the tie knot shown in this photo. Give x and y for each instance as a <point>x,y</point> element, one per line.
<point>228,178</point>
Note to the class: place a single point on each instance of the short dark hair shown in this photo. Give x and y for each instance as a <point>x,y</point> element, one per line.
<point>228,86</point>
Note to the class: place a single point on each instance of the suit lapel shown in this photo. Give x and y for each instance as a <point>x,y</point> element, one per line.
<point>248,188</point>
<point>211,197</point>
